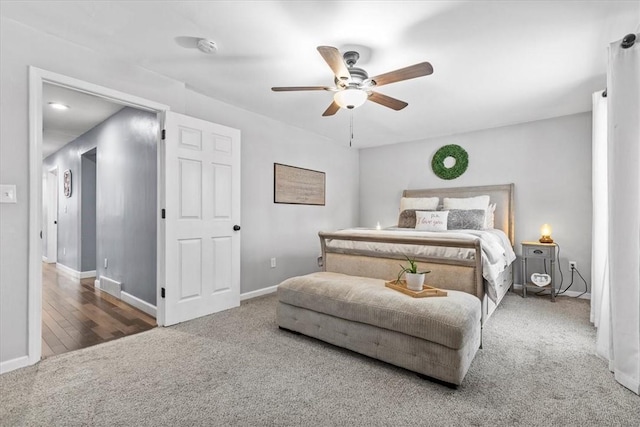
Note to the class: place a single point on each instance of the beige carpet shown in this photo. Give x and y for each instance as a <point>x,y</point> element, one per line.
<point>237,368</point>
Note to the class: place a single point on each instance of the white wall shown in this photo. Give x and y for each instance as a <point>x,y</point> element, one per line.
<point>287,232</point>
<point>549,161</point>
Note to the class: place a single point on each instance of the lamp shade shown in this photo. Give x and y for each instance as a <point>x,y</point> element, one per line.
<point>350,98</point>
<point>545,232</point>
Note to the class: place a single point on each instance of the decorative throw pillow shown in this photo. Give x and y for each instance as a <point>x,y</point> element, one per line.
<point>478,202</point>
<point>419,203</point>
<point>466,219</point>
<point>407,219</point>
<point>431,220</point>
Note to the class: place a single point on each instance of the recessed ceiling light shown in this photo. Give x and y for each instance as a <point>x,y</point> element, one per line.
<point>58,106</point>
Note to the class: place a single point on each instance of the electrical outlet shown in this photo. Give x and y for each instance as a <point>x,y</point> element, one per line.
<point>64,251</point>
<point>273,263</point>
<point>106,263</point>
<point>573,265</point>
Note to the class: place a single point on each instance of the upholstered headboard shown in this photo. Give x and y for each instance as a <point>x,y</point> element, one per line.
<point>501,195</point>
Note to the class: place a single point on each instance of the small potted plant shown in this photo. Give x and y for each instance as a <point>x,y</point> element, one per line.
<point>414,278</point>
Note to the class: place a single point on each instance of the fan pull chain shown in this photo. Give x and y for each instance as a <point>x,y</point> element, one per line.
<point>351,129</point>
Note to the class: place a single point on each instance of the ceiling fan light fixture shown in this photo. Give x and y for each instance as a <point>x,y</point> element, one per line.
<point>350,98</point>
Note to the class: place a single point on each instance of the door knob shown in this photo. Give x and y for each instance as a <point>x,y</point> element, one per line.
<point>236,228</point>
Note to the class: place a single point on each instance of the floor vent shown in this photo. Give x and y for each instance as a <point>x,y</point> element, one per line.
<point>110,286</point>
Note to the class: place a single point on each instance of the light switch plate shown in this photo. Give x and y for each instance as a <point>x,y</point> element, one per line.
<point>7,193</point>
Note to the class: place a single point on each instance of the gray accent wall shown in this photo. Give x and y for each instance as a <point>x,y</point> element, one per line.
<point>549,161</point>
<point>127,202</point>
<point>112,211</point>
<point>88,211</point>
<point>68,158</point>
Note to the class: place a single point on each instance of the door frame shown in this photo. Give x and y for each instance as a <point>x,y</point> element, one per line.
<point>52,211</point>
<point>37,78</point>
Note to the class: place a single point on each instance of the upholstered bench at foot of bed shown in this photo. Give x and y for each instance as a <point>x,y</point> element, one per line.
<point>437,337</point>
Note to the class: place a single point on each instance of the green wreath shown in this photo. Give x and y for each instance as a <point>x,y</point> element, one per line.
<point>451,150</point>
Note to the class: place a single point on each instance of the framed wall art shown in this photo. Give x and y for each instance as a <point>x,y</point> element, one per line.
<point>298,186</point>
<point>66,181</point>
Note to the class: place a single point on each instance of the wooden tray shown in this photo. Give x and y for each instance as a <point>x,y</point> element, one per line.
<point>427,291</point>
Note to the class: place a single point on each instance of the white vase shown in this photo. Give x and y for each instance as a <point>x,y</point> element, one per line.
<point>415,281</point>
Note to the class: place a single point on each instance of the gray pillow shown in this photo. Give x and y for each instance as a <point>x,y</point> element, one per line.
<point>465,219</point>
<point>407,219</point>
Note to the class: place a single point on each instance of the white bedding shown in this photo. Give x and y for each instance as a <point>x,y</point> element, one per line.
<point>497,253</point>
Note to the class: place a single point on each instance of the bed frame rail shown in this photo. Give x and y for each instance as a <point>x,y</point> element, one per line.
<point>448,273</point>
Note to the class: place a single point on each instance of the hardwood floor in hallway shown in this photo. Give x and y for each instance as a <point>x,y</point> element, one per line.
<point>77,315</point>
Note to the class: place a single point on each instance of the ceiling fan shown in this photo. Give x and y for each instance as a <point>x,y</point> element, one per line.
<point>353,86</point>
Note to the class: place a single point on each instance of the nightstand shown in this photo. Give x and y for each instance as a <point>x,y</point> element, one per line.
<point>543,252</point>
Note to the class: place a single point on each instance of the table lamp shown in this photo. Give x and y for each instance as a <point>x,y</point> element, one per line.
<point>545,231</point>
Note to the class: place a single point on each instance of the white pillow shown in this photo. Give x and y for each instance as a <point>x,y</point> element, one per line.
<point>489,217</point>
<point>479,202</point>
<point>432,221</point>
<point>420,203</point>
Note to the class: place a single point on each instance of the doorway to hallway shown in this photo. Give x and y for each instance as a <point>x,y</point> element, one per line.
<point>76,315</point>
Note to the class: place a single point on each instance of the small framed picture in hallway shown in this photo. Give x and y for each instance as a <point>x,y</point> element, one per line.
<point>66,180</point>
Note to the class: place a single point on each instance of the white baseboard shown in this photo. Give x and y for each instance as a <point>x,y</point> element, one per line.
<point>45,259</point>
<point>631,383</point>
<point>13,364</point>
<point>68,270</point>
<point>258,293</point>
<point>87,274</point>
<point>141,305</point>
<point>572,294</point>
<point>110,286</point>
<point>75,273</point>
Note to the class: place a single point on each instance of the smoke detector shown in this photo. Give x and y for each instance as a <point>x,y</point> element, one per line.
<point>207,46</point>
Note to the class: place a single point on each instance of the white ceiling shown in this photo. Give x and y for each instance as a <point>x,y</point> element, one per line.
<point>495,62</point>
<point>63,126</point>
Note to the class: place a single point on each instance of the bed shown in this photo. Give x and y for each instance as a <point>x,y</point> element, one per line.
<point>462,260</point>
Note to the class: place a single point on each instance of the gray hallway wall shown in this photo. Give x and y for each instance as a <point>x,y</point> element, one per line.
<point>127,202</point>
<point>88,211</point>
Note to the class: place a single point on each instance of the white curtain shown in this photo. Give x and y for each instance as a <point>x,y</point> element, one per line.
<point>616,307</point>
<point>600,302</point>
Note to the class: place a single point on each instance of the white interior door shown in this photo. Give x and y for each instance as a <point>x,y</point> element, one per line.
<point>202,202</point>
<point>52,216</point>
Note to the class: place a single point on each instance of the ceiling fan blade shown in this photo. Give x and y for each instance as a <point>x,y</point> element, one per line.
<point>295,88</point>
<point>387,101</point>
<point>411,72</point>
<point>333,108</point>
<point>332,56</point>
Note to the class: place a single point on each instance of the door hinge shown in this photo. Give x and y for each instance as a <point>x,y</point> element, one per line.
<point>162,292</point>
<point>163,213</point>
<point>164,134</point>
